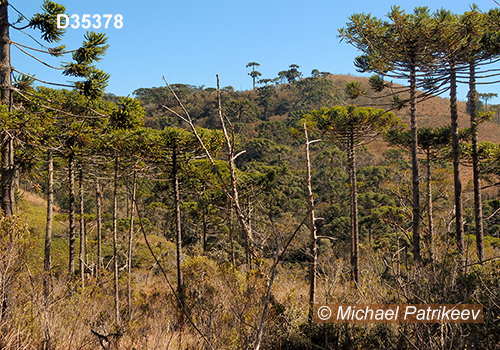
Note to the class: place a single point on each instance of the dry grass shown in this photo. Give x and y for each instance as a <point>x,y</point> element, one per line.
<point>225,302</point>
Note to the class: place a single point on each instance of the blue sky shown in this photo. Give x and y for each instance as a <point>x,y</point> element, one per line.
<point>191,41</point>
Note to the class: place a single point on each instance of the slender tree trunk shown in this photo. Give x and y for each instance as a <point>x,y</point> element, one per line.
<point>99,225</point>
<point>414,167</point>
<point>248,220</point>
<point>231,228</point>
<point>115,242</point>
<point>429,205</point>
<point>130,240</point>
<point>48,227</point>
<point>178,227</point>
<point>456,166</point>
<point>8,172</point>
<point>82,229</point>
<point>354,210</point>
<point>8,167</point>
<point>478,205</point>
<point>5,67</point>
<point>72,226</point>
<point>244,221</point>
<point>260,330</point>
<point>204,228</point>
<point>313,248</point>
<point>48,243</point>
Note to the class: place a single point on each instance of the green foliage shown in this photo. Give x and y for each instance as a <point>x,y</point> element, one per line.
<point>128,115</point>
<point>23,82</point>
<point>92,50</point>
<point>96,83</point>
<point>293,73</point>
<point>398,103</point>
<point>46,21</point>
<point>481,285</point>
<point>376,83</point>
<point>354,90</point>
<point>240,110</point>
<point>431,141</point>
<point>276,131</point>
<point>341,123</point>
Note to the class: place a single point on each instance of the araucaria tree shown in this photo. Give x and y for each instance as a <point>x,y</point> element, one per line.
<point>254,73</point>
<point>399,48</point>
<point>94,81</point>
<point>350,127</point>
<point>431,142</point>
<point>462,43</point>
<point>127,117</point>
<point>173,149</point>
<point>481,47</point>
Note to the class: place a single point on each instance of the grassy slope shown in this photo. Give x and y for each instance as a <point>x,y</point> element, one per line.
<point>33,211</point>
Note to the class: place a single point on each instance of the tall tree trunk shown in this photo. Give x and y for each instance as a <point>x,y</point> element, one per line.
<point>5,67</point>
<point>82,229</point>
<point>130,241</point>
<point>354,210</point>
<point>48,227</point>
<point>47,258</point>
<point>8,167</point>
<point>115,242</point>
<point>178,227</point>
<point>430,217</point>
<point>414,166</point>
<point>72,233</point>
<point>99,225</point>
<point>478,205</point>
<point>459,229</point>
<point>313,248</point>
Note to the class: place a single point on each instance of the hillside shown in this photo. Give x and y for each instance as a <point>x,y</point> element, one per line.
<point>284,100</point>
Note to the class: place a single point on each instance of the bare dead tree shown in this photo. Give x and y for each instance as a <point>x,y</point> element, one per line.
<point>313,248</point>
<point>231,190</point>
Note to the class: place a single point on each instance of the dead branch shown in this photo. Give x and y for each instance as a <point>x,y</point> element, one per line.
<point>231,190</point>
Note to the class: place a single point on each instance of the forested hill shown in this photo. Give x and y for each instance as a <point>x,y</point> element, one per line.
<point>187,217</point>
<point>280,106</point>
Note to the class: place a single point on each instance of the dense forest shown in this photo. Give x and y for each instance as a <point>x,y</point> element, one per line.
<point>193,217</point>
